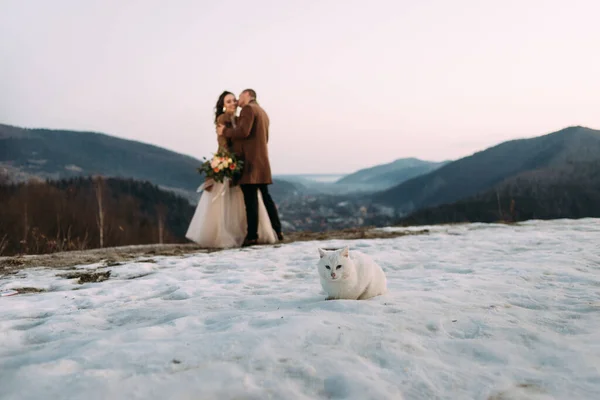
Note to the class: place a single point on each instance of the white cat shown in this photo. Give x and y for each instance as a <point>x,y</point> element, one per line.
<point>352,276</point>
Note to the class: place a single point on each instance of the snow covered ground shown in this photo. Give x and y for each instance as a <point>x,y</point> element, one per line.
<point>473,312</point>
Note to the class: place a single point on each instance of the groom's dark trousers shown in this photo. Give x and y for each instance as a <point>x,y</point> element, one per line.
<point>251,200</point>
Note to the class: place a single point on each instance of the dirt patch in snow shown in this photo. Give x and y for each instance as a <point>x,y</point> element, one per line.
<point>115,256</point>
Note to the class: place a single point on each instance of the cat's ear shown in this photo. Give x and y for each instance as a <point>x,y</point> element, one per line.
<point>322,253</point>
<point>345,252</point>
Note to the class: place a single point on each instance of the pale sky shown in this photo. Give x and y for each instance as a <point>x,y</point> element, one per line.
<point>346,83</point>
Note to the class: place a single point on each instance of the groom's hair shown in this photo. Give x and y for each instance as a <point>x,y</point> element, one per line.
<point>251,92</point>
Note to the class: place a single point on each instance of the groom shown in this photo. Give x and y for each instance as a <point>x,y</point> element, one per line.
<point>249,141</point>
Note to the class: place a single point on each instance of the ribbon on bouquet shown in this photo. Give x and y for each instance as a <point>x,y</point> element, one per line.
<point>221,193</point>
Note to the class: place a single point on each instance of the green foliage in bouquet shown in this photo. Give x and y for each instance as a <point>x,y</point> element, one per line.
<point>221,166</point>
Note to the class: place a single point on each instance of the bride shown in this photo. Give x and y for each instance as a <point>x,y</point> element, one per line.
<point>220,217</point>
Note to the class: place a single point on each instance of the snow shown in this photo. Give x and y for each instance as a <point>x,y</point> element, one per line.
<point>473,312</point>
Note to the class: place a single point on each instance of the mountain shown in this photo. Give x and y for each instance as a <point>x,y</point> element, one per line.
<point>63,154</point>
<point>571,191</point>
<point>512,161</point>
<point>58,154</point>
<point>387,175</point>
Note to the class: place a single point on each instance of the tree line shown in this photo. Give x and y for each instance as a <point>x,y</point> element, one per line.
<point>88,212</point>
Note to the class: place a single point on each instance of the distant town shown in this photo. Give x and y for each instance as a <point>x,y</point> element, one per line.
<point>324,213</point>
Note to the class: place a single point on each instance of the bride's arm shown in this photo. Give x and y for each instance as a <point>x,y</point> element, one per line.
<point>222,144</point>
<point>244,125</point>
<point>222,140</point>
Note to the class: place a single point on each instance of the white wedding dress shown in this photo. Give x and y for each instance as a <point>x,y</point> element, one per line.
<point>220,219</point>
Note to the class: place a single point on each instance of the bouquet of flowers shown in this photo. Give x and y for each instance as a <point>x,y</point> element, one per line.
<point>222,165</point>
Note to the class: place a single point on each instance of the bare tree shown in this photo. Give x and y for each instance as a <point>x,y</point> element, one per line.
<point>513,211</point>
<point>98,188</point>
<point>3,244</point>
<point>499,206</point>
<point>161,213</point>
<point>25,213</point>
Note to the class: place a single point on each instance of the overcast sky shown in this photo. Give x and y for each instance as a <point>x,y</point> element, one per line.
<point>347,84</point>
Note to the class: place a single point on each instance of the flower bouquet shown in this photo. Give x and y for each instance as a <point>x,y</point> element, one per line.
<point>223,165</point>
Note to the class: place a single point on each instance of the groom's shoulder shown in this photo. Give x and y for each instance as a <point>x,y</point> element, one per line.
<point>249,108</point>
<point>254,108</point>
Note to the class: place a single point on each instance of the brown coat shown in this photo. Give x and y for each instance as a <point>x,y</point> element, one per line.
<point>249,142</point>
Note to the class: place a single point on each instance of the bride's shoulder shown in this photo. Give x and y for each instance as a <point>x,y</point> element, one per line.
<point>222,119</point>
<point>225,119</point>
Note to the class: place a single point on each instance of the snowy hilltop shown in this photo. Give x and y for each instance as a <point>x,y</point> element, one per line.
<point>472,312</point>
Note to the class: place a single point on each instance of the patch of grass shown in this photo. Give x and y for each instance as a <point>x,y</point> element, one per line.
<point>527,388</point>
<point>112,263</point>
<point>13,262</point>
<point>112,257</point>
<point>148,260</point>
<point>24,290</point>
<point>140,275</point>
<point>86,277</point>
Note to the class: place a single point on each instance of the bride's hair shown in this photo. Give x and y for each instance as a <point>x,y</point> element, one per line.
<point>220,105</point>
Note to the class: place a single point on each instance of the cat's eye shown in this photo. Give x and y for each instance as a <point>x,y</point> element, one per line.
<point>338,267</point>
<point>327,266</point>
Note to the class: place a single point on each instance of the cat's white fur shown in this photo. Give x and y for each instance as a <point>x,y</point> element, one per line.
<point>351,275</point>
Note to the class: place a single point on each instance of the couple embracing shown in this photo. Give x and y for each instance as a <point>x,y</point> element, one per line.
<point>241,214</point>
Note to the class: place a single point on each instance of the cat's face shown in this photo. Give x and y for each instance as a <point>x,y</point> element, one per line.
<point>335,265</point>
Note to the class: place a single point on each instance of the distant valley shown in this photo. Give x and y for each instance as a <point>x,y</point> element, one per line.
<point>367,180</point>
<point>385,176</point>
